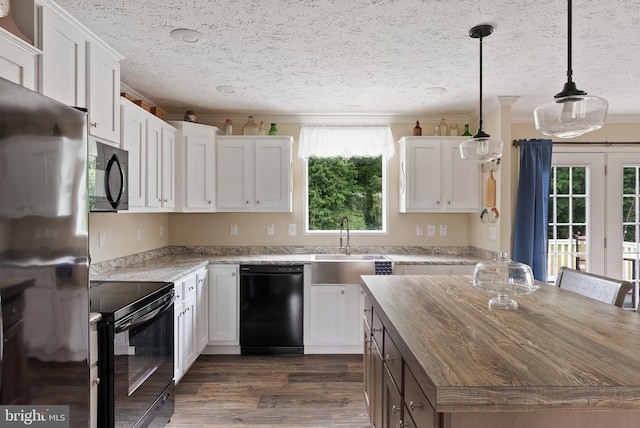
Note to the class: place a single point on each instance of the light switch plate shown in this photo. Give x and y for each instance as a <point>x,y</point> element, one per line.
<point>419,230</point>
<point>292,229</point>
<point>102,240</point>
<point>443,230</point>
<point>269,229</point>
<point>233,229</point>
<point>138,234</point>
<point>431,230</point>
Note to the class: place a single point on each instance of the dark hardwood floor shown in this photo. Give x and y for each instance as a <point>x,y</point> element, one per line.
<point>272,391</point>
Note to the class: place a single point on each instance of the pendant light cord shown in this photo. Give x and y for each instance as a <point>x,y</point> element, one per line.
<point>569,18</point>
<point>480,130</point>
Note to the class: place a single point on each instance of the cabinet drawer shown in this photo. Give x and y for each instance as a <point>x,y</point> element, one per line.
<point>376,330</point>
<point>416,402</point>
<point>392,359</point>
<point>189,287</point>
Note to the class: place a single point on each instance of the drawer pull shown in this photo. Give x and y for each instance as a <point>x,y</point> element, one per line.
<point>389,358</point>
<point>414,406</point>
<point>366,310</point>
<point>395,409</point>
<point>373,330</point>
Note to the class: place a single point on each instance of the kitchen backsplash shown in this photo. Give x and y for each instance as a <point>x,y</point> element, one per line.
<point>133,259</point>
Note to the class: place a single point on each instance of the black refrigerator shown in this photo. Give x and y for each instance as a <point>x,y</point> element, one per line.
<point>44,260</point>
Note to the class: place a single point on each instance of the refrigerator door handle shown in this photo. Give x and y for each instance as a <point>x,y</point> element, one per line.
<point>114,161</point>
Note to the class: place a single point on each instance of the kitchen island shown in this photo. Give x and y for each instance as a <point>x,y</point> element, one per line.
<point>560,360</point>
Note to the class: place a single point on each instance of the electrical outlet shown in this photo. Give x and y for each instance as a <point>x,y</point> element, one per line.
<point>233,229</point>
<point>443,230</point>
<point>292,229</point>
<point>419,230</point>
<point>493,233</point>
<point>269,229</point>
<point>102,240</point>
<point>431,230</point>
<point>138,233</point>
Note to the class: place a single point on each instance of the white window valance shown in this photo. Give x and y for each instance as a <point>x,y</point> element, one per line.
<point>345,141</point>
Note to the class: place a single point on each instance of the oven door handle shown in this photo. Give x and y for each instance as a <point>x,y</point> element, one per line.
<point>143,319</point>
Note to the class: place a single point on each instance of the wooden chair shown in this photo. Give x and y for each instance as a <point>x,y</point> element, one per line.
<point>608,290</point>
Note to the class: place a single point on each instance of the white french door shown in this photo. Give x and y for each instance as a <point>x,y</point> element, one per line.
<point>594,214</point>
<point>623,226</point>
<point>576,215</point>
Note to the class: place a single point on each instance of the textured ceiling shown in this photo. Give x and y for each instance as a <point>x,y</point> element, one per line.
<point>368,56</point>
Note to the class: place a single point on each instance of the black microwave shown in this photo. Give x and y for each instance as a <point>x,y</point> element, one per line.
<point>108,177</point>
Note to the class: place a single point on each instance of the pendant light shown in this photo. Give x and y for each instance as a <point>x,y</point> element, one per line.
<point>573,112</point>
<point>481,148</point>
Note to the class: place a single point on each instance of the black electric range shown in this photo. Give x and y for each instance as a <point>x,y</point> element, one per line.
<point>117,299</point>
<point>136,352</point>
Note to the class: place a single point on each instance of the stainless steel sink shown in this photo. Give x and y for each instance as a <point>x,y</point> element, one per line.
<point>342,268</point>
<point>345,257</point>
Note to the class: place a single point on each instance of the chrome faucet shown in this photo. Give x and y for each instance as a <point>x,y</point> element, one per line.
<point>347,249</point>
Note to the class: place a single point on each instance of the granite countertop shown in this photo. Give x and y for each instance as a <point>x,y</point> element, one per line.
<point>172,263</point>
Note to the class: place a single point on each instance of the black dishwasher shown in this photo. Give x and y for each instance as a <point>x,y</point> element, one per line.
<point>271,307</point>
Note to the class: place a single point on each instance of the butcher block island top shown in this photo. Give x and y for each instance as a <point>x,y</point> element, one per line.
<point>558,350</point>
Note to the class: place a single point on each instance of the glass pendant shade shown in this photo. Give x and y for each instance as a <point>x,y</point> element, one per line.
<point>571,116</point>
<point>572,112</point>
<point>481,149</point>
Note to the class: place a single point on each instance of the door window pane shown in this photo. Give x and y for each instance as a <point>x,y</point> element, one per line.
<point>568,243</point>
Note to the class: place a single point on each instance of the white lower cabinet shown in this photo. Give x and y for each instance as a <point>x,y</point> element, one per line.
<point>335,319</point>
<point>202,310</point>
<point>186,341</point>
<point>224,297</point>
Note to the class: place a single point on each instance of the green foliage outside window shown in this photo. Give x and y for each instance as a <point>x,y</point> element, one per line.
<point>339,187</point>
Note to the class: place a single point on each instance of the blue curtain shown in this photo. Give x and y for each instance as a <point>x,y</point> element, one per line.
<point>531,226</point>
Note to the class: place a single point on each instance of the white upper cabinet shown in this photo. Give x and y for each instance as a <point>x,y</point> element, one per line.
<point>18,61</point>
<point>433,177</point>
<point>134,137</point>
<point>80,70</point>
<point>160,164</point>
<point>253,174</point>
<point>64,63</point>
<point>104,93</point>
<point>195,164</point>
<point>151,144</point>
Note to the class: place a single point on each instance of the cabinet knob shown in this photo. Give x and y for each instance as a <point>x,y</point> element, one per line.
<point>395,409</point>
<point>342,292</point>
<point>209,202</point>
<point>438,202</point>
<point>448,202</point>
<point>94,124</point>
<point>373,330</point>
<point>96,381</point>
<point>388,358</point>
<point>414,406</point>
<point>233,274</point>
<point>361,292</point>
<point>366,310</point>
<point>257,202</point>
<point>190,288</point>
